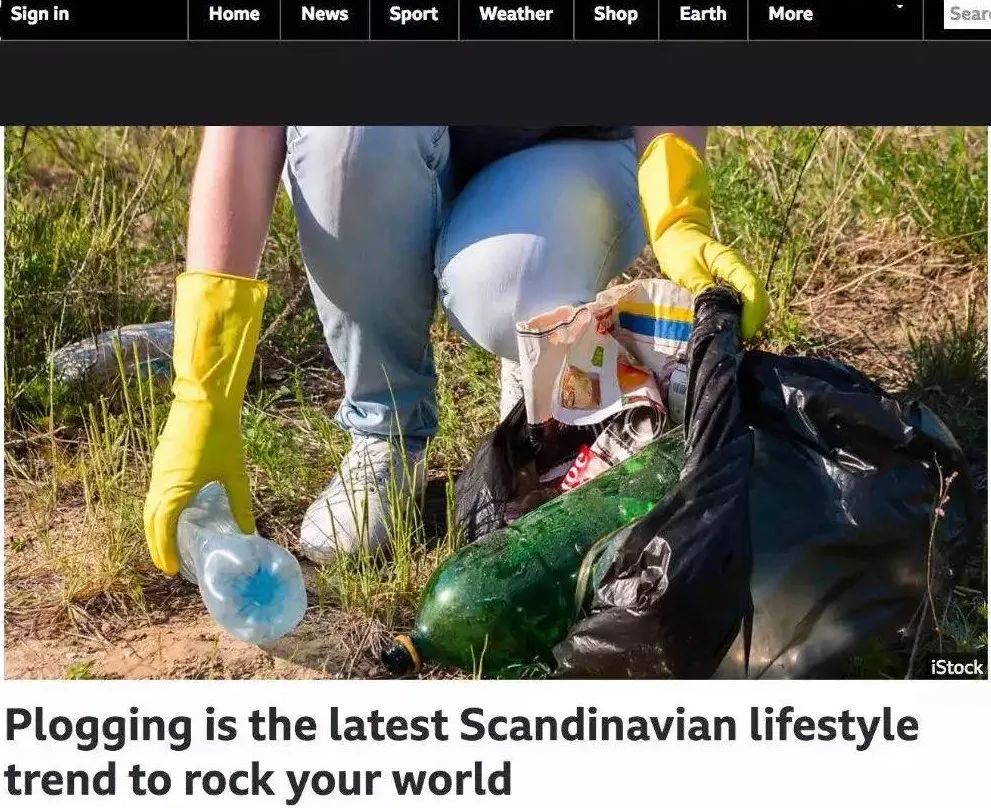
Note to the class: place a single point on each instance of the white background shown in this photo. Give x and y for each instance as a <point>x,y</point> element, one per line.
<point>945,766</point>
<point>965,25</point>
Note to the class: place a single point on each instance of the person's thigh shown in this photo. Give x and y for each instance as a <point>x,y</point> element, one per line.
<point>369,203</point>
<point>547,226</point>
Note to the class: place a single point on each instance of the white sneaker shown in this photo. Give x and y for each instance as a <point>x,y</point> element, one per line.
<point>510,386</point>
<point>352,512</point>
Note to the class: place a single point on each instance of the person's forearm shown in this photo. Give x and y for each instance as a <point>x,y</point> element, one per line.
<point>230,207</point>
<point>695,135</point>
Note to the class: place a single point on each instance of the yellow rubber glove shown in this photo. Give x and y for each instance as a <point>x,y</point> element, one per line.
<point>217,319</point>
<point>674,193</point>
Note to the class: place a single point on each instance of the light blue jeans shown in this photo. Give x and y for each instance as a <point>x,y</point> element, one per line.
<point>382,229</point>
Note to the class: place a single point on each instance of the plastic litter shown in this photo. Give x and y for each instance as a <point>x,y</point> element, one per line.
<point>145,345</point>
<point>581,365</point>
<point>250,585</point>
<point>807,471</point>
<point>498,606</point>
<point>675,590</point>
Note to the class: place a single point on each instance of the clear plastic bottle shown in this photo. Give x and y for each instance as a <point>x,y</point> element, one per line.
<point>250,585</point>
<point>677,393</point>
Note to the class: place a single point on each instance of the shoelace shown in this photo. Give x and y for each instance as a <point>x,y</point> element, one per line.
<point>361,463</point>
<point>369,464</point>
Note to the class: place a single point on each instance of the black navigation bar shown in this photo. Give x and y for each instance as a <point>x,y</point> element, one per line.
<point>316,20</point>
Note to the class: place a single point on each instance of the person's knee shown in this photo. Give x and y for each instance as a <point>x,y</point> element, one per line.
<point>480,287</point>
<point>550,244</point>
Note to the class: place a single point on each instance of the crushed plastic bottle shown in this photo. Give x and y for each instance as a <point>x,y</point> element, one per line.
<point>250,585</point>
<point>143,346</point>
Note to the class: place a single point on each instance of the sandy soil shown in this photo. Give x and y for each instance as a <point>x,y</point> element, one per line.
<point>183,642</point>
<point>190,647</point>
<point>170,636</point>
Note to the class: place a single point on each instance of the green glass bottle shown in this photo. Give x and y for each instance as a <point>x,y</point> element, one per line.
<point>499,606</point>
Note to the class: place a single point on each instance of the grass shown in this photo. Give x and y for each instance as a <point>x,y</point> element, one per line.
<point>79,671</point>
<point>873,241</point>
<point>950,374</point>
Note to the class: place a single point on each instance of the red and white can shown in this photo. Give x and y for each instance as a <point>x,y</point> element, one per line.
<point>586,466</point>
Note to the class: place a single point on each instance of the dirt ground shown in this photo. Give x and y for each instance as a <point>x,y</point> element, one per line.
<point>180,641</point>
<point>174,637</point>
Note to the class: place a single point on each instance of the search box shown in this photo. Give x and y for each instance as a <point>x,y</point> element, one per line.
<point>966,15</point>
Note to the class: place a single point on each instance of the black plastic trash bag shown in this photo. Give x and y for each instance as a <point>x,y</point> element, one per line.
<point>677,590</point>
<point>844,490</point>
<point>506,468</point>
<point>831,482</point>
